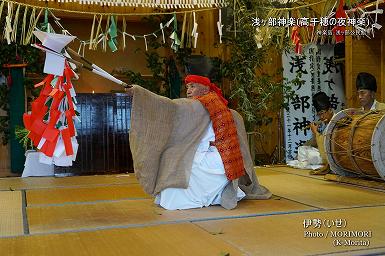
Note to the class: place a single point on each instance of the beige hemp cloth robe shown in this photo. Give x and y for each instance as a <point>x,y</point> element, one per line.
<point>164,137</point>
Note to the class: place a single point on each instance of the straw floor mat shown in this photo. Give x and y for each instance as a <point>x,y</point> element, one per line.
<point>370,183</point>
<point>60,182</point>
<point>318,193</point>
<point>131,213</point>
<point>177,239</point>
<point>11,217</point>
<point>111,215</point>
<point>289,170</point>
<point>89,194</point>
<point>285,234</point>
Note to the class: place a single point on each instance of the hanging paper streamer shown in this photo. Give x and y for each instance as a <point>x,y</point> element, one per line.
<point>194,33</point>
<point>123,34</point>
<point>32,24</point>
<point>8,25</point>
<point>258,37</point>
<point>23,27</point>
<point>98,35</point>
<point>45,26</point>
<point>376,12</point>
<point>50,121</point>
<point>339,31</point>
<point>296,40</point>
<point>145,42</point>
<point>220,26</point>
<point>104,29</point>
<point>113,32</point>
<point>1,8</point>
<point>174,36</point>
<point>15,23</point>
<point>92,32</point>
<point>183,31</point>
<point>364,28</point>
<point>171,20</point>
<point>161,28</point>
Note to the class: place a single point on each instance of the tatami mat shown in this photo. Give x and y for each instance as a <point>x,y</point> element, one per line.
<point>89,194</point>
<point>289,170</point>
<point>111,215</point>
<point>375,184</point>
<point>177,239</point>
<point>318,193</point>
<point>57,182</point>
<point>285,234</point>
<point>142,212</point>
<point>11,215</point>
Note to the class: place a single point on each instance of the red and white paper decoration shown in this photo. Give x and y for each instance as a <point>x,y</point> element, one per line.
<point>51,121</point>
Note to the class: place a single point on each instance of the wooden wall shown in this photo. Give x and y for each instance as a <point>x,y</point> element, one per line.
<point>273,132</point>
<point>365,55</point>
<point>4,161</point>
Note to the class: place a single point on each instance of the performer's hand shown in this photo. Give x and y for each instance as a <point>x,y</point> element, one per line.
<point>129,91</point>
<point>314,128</point>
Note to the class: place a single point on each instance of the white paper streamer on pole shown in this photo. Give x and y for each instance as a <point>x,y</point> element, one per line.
<point>220,26</point>
<point>124,33</point>
<point>145,42</point>
<point>194,32</point>
<point>107,76</point>
<point>169,22</point>
<point>161,29</point>
<point>8,26</point>
<point>195,26</point>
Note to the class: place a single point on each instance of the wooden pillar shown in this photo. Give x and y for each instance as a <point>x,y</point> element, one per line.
<point>349,71</point>
<point>364,55</point>
<point>16,111</point>
<point>381,83</point>
<point>5,168</point>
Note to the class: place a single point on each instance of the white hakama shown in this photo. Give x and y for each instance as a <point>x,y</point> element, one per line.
<point>206,183</point>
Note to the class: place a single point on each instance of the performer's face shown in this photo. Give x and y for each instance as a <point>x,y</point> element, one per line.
<point>195,89</point>
<point>366,98</point>
<point>325,115</point>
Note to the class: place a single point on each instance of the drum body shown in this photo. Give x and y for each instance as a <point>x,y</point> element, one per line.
<point>355,143</point>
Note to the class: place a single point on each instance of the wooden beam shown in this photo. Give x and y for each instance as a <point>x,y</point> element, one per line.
<point>86,11</point>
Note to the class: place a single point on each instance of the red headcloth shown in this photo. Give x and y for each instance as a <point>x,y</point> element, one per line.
<point>205,81</point>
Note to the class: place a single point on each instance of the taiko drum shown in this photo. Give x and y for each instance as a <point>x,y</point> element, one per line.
<point>355,143</point>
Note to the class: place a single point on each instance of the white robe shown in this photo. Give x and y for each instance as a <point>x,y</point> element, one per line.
<point>206,182</point>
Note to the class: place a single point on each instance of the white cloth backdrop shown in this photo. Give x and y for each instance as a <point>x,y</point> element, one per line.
<point>319,73</point>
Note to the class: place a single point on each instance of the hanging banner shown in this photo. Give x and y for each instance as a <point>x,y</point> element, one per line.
<point>318,72</point>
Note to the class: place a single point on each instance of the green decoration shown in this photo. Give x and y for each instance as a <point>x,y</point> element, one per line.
<point>16,107</point>
<point>45,26</point>
<point>174,36</point>
<point>113,32</point>
<point>256,92</point>
<point>22,135</point>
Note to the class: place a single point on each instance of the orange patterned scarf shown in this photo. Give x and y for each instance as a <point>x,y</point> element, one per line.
<point>226,137</point>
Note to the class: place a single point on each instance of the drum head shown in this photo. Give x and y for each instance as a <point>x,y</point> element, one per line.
<point>378,147</point>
